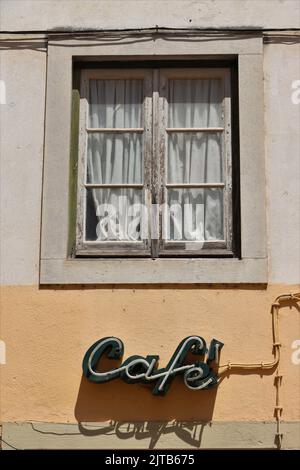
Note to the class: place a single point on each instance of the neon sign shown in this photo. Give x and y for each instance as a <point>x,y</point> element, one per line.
<point>197,376</point>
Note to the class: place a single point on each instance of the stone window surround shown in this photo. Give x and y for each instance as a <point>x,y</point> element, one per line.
<point>55,266</point>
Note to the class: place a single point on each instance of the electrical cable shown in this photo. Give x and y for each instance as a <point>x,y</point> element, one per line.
<point>264,365</point>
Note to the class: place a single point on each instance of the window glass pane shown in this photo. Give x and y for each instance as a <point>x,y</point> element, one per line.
<point>114,158</point>
<point>115,215</point>
<point>115,103</point>
<point>195,103</point>
<point>194,157</point>
<point>194,215</point>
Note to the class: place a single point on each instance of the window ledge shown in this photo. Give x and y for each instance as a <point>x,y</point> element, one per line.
<point>154,271</point>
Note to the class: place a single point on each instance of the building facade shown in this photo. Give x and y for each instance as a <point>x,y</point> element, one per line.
<point>150,103</point>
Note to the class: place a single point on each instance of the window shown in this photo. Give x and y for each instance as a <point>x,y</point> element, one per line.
<point>69,255</point>
<point>155,176</point>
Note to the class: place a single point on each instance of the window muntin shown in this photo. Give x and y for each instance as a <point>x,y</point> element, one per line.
<point>155,138</point>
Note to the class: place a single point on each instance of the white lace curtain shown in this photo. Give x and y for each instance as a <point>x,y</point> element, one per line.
<point>192,157</point>
<point>195,157</point>
<point>114,158</point>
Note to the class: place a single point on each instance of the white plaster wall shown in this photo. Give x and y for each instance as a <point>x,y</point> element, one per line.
<point>22,117</point>
<point>282,145</point>
<point>47,14</point>
<point>21,149</point>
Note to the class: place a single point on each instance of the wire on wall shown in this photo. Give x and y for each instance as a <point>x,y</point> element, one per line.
<point>266,365</point>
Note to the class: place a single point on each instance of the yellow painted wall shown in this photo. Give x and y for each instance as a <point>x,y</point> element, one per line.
<point>47,332</point>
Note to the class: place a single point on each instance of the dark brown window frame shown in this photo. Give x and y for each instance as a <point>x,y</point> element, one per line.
<point>213,252</point>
